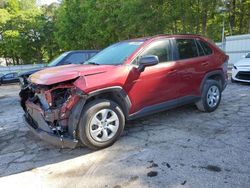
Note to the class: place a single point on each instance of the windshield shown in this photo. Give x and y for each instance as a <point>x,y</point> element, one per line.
<point>57,60</point>
<point>115,54</point>
<point>248,56</point>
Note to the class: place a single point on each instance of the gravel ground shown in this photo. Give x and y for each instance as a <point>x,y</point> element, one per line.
<point>177,148</point>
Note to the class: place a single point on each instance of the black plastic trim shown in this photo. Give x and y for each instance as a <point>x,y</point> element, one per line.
<point>163,106</point>
<point>74,117</point>
<point>63,142</point>
<point>120,91</point>
<point>214,73</point>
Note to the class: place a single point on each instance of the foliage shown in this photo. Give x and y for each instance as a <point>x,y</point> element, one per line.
<point>97,23</point>
<point>26,32</point>
<point>29,34</point>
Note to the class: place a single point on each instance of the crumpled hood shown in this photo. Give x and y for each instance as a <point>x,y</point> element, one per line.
<point>59,74</point>
<point>245,62</point>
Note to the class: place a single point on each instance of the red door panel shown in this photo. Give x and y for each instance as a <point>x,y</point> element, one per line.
<point>192,72</point>
<point>154,85</point>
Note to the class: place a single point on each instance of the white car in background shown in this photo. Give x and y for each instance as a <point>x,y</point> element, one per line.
<point>241,70</point>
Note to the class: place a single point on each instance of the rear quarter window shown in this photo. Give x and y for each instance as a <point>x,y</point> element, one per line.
<point>205,46</point>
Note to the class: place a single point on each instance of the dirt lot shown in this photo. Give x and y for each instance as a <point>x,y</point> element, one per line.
<point>177,148</point>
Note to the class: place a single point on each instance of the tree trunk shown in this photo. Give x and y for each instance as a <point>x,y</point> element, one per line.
<point>13,61</point>
<point>249,22</point>
<point>6,60</point>
<point>17,60</point>
<point>183,20</point>
<point>241,17</point>
<point>232,15</point>
<point>204,22</point>
<point>198,20</point>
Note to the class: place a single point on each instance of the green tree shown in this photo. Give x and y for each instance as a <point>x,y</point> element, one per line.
<point>26,32</point>
<point>38,33</point>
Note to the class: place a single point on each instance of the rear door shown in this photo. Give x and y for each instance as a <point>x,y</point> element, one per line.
<point>192,65</point>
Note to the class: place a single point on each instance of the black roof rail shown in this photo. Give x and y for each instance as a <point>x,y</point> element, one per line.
<point>168,34</point>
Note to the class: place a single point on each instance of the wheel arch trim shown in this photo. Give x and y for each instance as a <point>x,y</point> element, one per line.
<point>214,73</point>
<point>119,91</point>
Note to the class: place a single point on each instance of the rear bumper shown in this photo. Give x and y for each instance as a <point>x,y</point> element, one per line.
<point>50,137</point>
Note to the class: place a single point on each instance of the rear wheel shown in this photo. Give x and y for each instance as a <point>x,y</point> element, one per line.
<point>101,124</point>
<point>211,96</point>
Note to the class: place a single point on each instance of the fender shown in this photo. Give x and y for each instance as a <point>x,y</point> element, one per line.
<point>77,110</point>
<point>214,73</point>
<point>120,95</point>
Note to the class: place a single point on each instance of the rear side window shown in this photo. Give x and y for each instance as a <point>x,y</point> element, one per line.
<point>186,48</point>
<point>205,47</point>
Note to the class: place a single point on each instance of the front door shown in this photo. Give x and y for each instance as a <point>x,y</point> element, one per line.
<point>156,84</point>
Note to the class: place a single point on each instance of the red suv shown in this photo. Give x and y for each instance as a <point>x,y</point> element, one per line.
<point>89,104</point>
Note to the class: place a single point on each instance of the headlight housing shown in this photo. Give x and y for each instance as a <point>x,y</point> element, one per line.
<point>234,67</point>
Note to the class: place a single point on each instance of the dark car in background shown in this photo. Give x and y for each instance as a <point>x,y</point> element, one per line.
<point>9,78</point>
<point>70,57</point>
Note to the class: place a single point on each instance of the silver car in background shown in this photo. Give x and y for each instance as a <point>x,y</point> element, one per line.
<point>241,70</point>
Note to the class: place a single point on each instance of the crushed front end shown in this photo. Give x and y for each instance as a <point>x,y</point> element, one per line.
<point>52,112</point>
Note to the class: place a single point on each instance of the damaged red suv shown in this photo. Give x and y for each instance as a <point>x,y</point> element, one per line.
<point>89,104</point>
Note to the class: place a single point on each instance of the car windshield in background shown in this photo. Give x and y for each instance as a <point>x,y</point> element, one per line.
<point>57,60</point>
<point>248,55</point>
<point>115,54</point>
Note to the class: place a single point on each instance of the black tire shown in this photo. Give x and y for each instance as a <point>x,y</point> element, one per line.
<point>202,104</point>
<point>89,112</point>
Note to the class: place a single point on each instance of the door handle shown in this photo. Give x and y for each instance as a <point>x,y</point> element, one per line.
<point>187,76</point>
<point>172,72</point>
<point>205,63</point>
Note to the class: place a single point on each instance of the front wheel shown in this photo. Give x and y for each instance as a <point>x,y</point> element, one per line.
<point>211,96</point>
<point>101,124</point>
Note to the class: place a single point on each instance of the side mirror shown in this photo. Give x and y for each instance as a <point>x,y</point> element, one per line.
<point>146,61</point>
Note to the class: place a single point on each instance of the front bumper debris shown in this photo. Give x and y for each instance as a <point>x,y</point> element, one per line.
<point>37,124</point>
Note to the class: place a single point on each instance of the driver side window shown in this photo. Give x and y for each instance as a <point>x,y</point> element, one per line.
<point>159,48</point>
